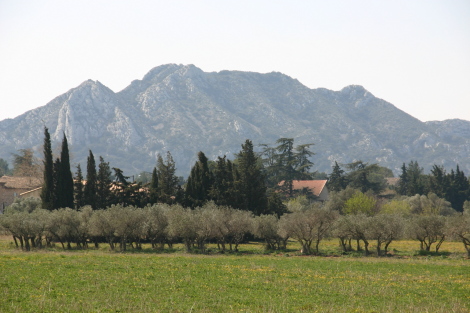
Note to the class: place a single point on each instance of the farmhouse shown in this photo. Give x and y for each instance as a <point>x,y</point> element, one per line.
<point>316,187</point>
<point>12,187</point>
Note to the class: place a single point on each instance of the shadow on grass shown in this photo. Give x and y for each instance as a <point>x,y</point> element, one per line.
<point>432,253</point>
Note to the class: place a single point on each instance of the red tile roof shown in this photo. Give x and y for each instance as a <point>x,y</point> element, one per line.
<point>316,186</point>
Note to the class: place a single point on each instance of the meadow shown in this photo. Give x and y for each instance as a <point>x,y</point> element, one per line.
<point>249,281</point>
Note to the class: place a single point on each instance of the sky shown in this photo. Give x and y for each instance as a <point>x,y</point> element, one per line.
<point>414,54</point>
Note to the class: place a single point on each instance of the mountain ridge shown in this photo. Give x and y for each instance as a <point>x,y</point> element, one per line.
<point>182,109</point>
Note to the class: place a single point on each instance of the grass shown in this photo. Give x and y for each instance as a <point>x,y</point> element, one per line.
<point>103,281</point>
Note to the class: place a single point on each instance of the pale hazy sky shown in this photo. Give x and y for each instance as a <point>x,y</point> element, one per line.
<point>413,54</point>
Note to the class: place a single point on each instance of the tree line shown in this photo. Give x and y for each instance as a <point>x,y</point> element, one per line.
<point>249,183</point>
<point>454,186</point>
<point>162,225</point>
<point>250,186</point>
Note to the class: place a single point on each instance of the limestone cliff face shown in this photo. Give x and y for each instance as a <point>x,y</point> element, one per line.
<point>184,110</point>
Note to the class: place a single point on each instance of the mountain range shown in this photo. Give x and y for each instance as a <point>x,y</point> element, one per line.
<point>182,109</point>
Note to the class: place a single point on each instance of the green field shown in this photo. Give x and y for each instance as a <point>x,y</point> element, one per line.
<point>103,281</point>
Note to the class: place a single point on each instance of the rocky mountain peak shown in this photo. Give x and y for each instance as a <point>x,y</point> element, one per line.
<point>181,109</point>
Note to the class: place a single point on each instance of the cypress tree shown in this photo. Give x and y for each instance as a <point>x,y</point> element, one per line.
<point>192,188</point>
<point>66,180</point>
<point>404,181</point>
<point>57,185</point>
<point>47,192</point>
<point>199,182</point>
<point>223,182</point>
<point>458,189</point>
<point>416,183</point>
<point>78,187</point>
<point>153,187</point>
<point>206,176</point>
<point>90,186</point>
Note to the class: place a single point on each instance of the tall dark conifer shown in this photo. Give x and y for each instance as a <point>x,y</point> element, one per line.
<point>302,161</point>
<point>252,186</point>
<point>404,181</point>
<point>66,179</point>
<point>286,164</point>
<point>78,188</point>
<point>458,189</point>
<point>167,181</point>
<point>103,185</point>
<point>416,179</point>
<point>47,192</point>
<point>200,182</point>
<point>222,188</point>
<point>438,182</point>
<point>90,186</point>
<point>57,185</point>
<point>153,187</point>
<point>337,180</point>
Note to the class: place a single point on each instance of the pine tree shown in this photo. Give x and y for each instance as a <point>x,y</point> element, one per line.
<point>364,177</point>
<point>337,180</point>
<point>103,185</point>
<point>47,192</point>
<point>126,193</point>
<point>302,161</point>
<point>252,184</point>
<point>286,164</point>
<point>167,180</point>
<point>90,186</point>
<point>78,188</point>
<point>438,181</point>
<point>66,180</point>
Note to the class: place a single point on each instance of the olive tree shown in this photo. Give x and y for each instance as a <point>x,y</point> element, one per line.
<point>458,228</point>
<point>128,224</point>
<point>64,226</point>
<point>353,227</point>
<point>239,224</point>
<point>156,224</point>
<point>430,204</point>
<point>83,232</point>
<point>102,224</point>
<point>308,226</point>
<point>384,228</point>
<point>267,227</point>
<point>204,222</point>
<point>181,225</point>
<point>28,229</point>
<point>24,205</point>
<point>427,229</point>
